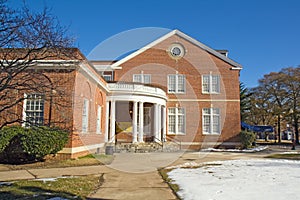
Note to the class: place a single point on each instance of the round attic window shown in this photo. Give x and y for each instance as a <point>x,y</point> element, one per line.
<point>176,50</point>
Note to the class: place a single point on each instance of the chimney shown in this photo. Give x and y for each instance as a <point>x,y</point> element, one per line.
<point>223,52</point>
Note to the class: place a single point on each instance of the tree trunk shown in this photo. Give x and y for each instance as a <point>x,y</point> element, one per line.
<point>296,129</point>
<point>278,128</point>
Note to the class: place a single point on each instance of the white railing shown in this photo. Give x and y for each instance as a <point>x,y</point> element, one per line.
<point>136,88</point>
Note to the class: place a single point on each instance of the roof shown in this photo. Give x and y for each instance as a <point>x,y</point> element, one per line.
<point>41,54</point>
<point>236,65</point>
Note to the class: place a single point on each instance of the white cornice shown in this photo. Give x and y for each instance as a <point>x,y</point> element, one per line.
<point>93,76</point>
<point>204,100</point>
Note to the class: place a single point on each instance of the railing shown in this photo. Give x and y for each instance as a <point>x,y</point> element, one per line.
<point>159,142</point>
<point>136,88</point>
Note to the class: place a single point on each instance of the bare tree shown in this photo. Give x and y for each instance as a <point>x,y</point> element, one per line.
<point>26,38</point>
<point>291,84</point>
<point>278,95</point>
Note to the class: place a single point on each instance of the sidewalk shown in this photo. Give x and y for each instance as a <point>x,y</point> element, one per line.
<point>51,173</point>
<point>133,175</point>
<point>130,176</point>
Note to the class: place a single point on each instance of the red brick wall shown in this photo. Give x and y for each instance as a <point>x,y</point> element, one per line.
<point>196,62</point>
<point>87,88</point>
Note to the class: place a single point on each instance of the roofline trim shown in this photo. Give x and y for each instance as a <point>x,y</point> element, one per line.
<point>117,65</point>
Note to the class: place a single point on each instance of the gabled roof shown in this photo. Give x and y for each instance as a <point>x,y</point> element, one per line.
<point>235,65</point>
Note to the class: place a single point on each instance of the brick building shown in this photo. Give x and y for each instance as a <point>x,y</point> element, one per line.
<point>173,89</point>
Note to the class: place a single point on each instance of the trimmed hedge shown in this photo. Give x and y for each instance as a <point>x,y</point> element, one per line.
<point>247,139</point>
<point>21,145</point>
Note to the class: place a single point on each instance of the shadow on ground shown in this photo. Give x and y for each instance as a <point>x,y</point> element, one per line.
<point>29,192</point>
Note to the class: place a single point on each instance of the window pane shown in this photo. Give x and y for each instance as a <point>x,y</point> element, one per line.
<point>216,124</point>
<point>85,115</point>
<point>34,110</point>
<point>137,78</point>
<point>181,124</point>
<point>171,111</point>
<point>215,84</point>
<point>181,83</point>
<point>206,124</point>
<point>107,77</point>
<point>98,128</point>
<point>216,111</point>
<point>147,79</point>
<point>171,123</point>
<point>206,110</point>
<point>171,83</point>
<point>205,83</point>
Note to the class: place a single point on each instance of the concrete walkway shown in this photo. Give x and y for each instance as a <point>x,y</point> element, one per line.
<point>133,175</point>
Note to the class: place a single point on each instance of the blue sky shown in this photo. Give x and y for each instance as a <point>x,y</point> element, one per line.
<point>262,35</point>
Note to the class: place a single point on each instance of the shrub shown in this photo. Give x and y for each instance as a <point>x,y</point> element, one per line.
<point>42,141</point>
<point>7,134</point>
<point>21,144</point>
<point>247,139</point>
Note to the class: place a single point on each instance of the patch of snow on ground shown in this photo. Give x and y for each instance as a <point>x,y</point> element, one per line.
<point>288,152</point>
<point>185,165</point>
<point>239,179</point>
<point>52,179</point>
<point>256,149</point>
<point>57,198</point>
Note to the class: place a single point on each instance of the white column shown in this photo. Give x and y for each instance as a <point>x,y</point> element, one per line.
<point>159,122</point>
<point>134,122</point>
<point>106,121</point>
<point>141,120</point>
<point>112,121</point>
<point>155,127</point>
<point>164,122</point>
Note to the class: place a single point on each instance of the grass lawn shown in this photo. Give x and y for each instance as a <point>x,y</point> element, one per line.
<point>92,159</point>
<point>165,177</point>
<point>292,156</point>
<point>69,188</point>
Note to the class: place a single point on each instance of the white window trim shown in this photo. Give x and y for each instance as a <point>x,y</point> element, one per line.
<point>176,84</point>
<point>210,84</point>
<point>142,78</point>
<point>85,118</point>
<point>98,120</point>
<point>211,122</point>
<point>176,121</point>
<point>24,111</point>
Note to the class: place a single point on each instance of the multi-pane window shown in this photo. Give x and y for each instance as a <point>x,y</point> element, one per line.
<point>34,109</point>
<point>211,120</point>
<point>142,78</point>
<point>176,83</point>
<point>176,120</point>
<point>99,112</point>
<point>85,115</point>
<point>107,77</point>
<point>211,84</point>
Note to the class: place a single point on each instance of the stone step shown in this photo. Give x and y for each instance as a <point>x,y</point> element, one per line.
<point>146,147</point>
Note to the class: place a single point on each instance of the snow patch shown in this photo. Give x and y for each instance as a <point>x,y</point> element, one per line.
<point>52,179</point>
<point>57,198</point>
<point>256,149</point>
<point>239,179</point>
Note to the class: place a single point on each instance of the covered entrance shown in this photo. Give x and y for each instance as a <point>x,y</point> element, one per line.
<point>135,113</point>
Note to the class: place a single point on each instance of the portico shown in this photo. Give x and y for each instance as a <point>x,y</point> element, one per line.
<point>135,112</point>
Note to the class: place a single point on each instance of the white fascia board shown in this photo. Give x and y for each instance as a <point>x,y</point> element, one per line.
<point>141,50</point>
<point>93,76</point>
<point>210,50</point>
<point>118,64</point>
